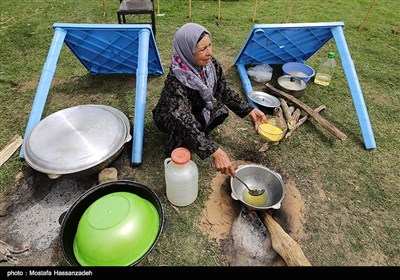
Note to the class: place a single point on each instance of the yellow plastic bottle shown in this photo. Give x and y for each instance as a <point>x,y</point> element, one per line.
<point>325,70</point>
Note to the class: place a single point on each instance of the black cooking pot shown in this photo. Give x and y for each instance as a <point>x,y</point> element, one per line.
<point>69,220</point>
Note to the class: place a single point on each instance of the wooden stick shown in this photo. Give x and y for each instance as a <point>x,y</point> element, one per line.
<point>255,11</point>
<point>366,16</point>
<point>291,109</point>
<point>104,8</point>
<point>278,112</point>
<point>322,121</point>
<point>11,147</point>
<point>287,113</point>
<point>302,120</point>
<point>296,115</point>
<point>190,9</point>
<point>289,11</point>
<point>285,109</point>
<point>266,146</point>
<point>283,244</point>
<point>219,9</point>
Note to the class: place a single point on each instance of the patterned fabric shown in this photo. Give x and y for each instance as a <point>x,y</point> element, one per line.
<point>179,113</point>
<point>184,67</point>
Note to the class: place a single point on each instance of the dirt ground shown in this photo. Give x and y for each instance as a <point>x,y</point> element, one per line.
<point>31,226</point>
<point>30,218</point>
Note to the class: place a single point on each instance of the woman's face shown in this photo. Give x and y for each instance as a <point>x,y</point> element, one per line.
<point>203,51</point>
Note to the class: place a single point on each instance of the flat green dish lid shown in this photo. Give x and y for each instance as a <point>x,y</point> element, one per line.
<point>116,230</point>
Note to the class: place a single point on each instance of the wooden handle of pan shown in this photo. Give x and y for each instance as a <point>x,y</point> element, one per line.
<point>283,244</point>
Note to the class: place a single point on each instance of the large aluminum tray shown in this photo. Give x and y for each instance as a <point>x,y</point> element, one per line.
<point>76,139</point>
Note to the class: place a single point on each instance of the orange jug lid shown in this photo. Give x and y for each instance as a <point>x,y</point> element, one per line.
<point>180,155</point>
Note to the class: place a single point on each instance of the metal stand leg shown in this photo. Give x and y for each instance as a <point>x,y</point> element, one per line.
<point>45,81</point>
<point>355,89</point>
<point>140,98</point>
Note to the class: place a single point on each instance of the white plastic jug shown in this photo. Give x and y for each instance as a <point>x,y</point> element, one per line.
<point>181,178</point>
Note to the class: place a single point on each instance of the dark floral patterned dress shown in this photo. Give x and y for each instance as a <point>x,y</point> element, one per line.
<point>179,113</point>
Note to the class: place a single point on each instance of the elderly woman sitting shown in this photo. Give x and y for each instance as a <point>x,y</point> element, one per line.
<point>196,98</point>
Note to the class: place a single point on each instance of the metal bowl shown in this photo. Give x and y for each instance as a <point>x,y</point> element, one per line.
<point>258,177</point>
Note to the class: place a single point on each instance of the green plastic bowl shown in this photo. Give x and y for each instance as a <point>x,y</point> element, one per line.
<point>116,230</point>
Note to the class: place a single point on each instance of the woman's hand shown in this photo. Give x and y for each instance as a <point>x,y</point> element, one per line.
<point>257,117</point>
<point>222,162</point>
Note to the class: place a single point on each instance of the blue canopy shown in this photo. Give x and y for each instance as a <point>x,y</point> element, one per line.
<point>297,42</point>
<point>104,49</point>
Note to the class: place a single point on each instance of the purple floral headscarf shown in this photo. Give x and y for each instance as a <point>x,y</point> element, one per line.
<point>185,69</point>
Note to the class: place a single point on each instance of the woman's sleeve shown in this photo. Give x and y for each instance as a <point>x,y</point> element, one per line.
<point>179,121</point>
<point>229,97</point>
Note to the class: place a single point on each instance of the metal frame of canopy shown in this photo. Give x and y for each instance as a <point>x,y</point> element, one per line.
<point>104,49</point>
<point>281,43</point>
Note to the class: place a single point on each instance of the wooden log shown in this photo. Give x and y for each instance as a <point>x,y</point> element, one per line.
<point>322,121</point>
<point>283,244</point>
<point>285,109</point>
<point>296,115</point>
<point>294,118</point>
<point>266,146</point>
<point>278,112</point>
<point>302,120</point>
<point>10,148</point>
<point>287,112</point>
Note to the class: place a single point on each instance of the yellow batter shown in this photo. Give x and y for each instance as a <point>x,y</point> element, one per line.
<point>270,132</point>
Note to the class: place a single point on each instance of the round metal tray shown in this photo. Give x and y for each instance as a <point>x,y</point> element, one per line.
<point>122,116</point>
<point>76,139</point>
<point>264,99</point>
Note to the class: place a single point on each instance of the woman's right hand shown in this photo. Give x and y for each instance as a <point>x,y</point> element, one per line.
<point>257,117</point>
<point>222,162</point>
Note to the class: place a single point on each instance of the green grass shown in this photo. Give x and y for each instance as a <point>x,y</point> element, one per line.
<point>352,195</point>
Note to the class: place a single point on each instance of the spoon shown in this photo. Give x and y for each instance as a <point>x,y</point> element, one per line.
<point>253,192</point>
